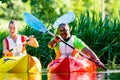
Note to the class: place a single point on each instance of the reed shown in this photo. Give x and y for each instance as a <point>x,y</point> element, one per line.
<point>102,37</point>
<point>3,34</point>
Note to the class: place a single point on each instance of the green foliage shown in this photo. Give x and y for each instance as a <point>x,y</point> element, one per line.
<point>43,10</point>
<point>102,37</point>
<point>12,10</point>
<point>112,8</point>
<point>47,10</point>
<point>4,33</point>
<point>4,1</point>
<point>24,1</point>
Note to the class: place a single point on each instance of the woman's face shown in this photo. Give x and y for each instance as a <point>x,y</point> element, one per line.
<point>64,32</point>
<point>13,29</point>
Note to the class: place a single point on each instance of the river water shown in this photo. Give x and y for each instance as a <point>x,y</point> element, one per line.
<point>112,74</point>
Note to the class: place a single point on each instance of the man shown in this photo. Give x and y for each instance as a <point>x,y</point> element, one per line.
<point>62,50</point>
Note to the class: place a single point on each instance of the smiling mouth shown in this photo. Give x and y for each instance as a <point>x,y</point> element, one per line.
<point>12,32</point>
<point>64,36</point>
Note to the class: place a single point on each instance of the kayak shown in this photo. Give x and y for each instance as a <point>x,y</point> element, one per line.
<point>71,64</point>
<point>20,64</point>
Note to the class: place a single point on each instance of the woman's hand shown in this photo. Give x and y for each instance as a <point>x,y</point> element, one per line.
<point>32,41</point>
<point>32,36</point>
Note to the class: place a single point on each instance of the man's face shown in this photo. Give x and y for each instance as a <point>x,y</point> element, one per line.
<point>64,31</point>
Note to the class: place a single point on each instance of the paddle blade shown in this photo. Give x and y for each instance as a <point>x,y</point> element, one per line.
<point>34,22</point>
<point>66,18</point>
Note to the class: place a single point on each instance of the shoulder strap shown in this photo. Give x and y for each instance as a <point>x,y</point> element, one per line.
<point>22,39</point>
<point>7,44</point>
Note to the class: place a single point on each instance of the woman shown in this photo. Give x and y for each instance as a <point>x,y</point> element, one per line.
<point>14,45</point>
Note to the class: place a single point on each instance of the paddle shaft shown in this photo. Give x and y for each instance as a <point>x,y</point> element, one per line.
<point>79,51</point>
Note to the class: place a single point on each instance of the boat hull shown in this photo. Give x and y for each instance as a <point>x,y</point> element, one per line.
<point>70,64</point>
<point>20,64</point>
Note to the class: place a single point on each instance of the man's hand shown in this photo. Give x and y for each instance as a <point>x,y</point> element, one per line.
<point>99,63</point>
<point>57,39</point>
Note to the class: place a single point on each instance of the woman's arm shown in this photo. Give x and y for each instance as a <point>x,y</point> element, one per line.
<point>6,52</point>
<point>31,41</point>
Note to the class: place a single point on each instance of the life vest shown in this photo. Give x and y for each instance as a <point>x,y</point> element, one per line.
<point>65,50</point>
<point>18,47</point>
<point>62,50</point>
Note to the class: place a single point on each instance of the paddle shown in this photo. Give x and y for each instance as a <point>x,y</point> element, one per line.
<point>66,18</point>
<point>35,23</point>
<point>6,59</point>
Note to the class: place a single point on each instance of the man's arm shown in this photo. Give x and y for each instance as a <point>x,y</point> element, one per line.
<point>92,56</point>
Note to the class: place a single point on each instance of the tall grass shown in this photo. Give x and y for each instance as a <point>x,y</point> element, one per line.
<point>3,34</point>
<point>102,37</point>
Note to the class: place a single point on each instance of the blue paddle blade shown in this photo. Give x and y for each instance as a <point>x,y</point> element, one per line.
<point>34,22</point>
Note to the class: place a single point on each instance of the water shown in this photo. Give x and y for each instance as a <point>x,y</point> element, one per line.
<point>103,75</point>
<point>112,74</point>
<point>20,76</point>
